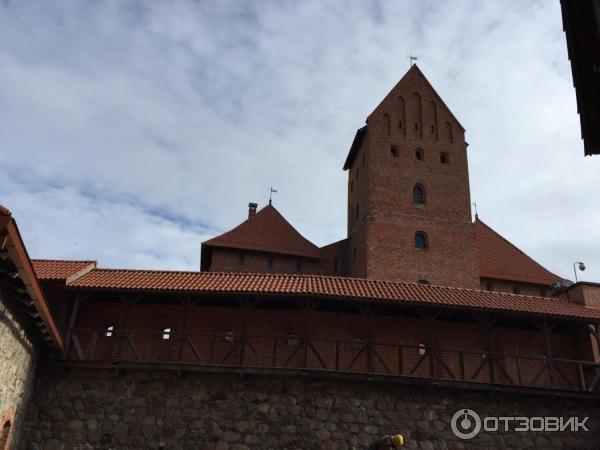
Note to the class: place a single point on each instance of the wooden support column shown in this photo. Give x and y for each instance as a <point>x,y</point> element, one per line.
<point>546,328</point>
<point>79,298</point>
<point>487,322</point>
<point>187,304</point>
<point>597,336</point>
<point>245,305</point>
<point>429,316</point>
<point>128,302</point>
<point>369,312</point>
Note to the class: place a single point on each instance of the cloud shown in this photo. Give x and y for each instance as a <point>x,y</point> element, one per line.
<point>132,131</point>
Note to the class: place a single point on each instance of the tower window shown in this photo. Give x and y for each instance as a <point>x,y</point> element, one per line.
<point>394,151</point>
<point>354,255</point>
<point>109,331</point>
<point>418,194</point>
<point>444,158</point>
<point>400,125</point>
<point>166,334</point>
<point>419,155</point>
<point>421,240</point>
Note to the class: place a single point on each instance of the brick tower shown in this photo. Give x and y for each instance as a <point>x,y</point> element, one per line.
<point>409,207</point>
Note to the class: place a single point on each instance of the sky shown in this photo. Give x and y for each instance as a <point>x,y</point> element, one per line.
<point>132,131</point>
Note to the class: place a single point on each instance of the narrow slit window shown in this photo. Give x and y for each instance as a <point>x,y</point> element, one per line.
<point>444,158</point>
<point>166,333</point>
<point>419,155</point>
<point>394,151</point>
<point>109,331</point>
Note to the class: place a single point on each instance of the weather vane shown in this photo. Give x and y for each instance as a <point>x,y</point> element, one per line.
<point>271,192</point>
<point>412,59</point>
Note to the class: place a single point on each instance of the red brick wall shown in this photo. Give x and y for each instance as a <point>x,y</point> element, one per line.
<point>488,284</point>
<point>391,217</point>
<point>335,259</point>
<point>147,320</point>
<point>227,260</point>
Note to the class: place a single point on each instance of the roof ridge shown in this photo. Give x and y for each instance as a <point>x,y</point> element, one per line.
<point>65,260</point>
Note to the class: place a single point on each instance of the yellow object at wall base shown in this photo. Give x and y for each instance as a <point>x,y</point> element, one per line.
<point>398,440</point>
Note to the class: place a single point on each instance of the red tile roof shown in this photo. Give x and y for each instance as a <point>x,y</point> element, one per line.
<point>330,287</point>
<point>57,269</point>
<point>499,259</point>
<point>267,231</point>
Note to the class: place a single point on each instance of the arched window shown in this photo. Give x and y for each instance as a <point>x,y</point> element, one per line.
<point>418,194</point>
<point>387,124</point>
<point>421,242</point>
<point>419,154</point>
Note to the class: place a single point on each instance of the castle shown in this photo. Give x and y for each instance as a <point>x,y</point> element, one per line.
<point>277,343</point>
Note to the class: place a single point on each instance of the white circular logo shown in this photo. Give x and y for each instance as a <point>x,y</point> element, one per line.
<point>466,424</point>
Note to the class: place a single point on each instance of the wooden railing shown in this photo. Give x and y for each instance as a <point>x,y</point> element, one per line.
<point>414,361</point>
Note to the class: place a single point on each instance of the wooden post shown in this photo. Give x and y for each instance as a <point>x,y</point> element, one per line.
<point>546,329</point>
<point>486,321</point>
<point>72,320</point>
<point>428,315</point>
<point>187,303</point>
<point>369,312</point>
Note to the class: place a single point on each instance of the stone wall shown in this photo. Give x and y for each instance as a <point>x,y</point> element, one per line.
<point>101,409</point>
<point>17,366</point>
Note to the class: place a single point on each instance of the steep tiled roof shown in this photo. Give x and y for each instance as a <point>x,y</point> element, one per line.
<point>330,287</point>
<point>499,259</point>
<point>267,231</point>
<point>58,269</point>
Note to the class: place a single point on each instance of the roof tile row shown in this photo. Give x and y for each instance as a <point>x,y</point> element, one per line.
<point>333,287</point>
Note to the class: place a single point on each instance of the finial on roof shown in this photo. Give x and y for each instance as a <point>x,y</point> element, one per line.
<point>475,206</point>
<point>271,192</point>
<point>412,59</point>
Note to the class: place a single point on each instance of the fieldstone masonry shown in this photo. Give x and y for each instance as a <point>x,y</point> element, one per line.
<point>102,409</point>
<point>17,367</point>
